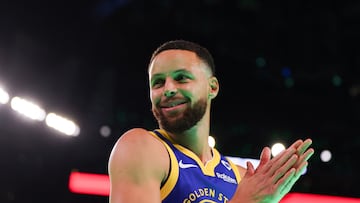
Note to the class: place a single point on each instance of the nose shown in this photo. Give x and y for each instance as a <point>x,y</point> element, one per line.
<point>170,89</point>
<point>169,93</point>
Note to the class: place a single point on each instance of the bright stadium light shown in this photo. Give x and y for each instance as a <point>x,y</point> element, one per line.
<point>211,141</point>
<point>27,109</point>
<point>277,148</point>
<point>325,155</point>
<point>105,131</point>
<point>62,124</point>
<point>4,96</point>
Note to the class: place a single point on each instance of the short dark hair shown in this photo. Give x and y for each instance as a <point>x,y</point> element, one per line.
<point>199,50</point>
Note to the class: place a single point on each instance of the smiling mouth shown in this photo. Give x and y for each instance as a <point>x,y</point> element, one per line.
<point>172,104</point>
<point>173,107</point>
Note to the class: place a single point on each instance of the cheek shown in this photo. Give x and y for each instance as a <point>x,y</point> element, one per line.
<point>200,92</point>
<point>155,97</point>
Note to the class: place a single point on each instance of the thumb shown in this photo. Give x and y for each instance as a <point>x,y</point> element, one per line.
<point>264,157</point>
<point>250,169</point>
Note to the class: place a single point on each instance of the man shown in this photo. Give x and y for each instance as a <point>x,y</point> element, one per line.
<point>175,164</point>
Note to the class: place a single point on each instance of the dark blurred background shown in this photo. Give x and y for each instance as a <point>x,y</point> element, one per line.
<point>287,70</point>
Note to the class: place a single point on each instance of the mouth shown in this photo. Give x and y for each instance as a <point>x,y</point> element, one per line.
<point>173,106</point>
<point>172,103</point>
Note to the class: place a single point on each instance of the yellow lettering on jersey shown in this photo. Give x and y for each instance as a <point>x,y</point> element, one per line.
<point>208,193</point>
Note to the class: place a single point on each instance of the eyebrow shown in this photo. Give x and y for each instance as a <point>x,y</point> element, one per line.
<point>176,71</point>
<point>181,70</point>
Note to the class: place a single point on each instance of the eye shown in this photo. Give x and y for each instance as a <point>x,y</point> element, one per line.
<point>181,78</point>
<point>157,83</point>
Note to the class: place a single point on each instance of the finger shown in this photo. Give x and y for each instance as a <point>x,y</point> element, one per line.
<point>305,145</point>
<point>264,158</point>
<point>265,155</point>
<point>304,157</point>
<point>296,144</point>
<point>289,184</point>
<point>287,152</point>
<point>249,169</point>
<point>284,168</point>
<point>283,186</point>
<point>286,182</point>
<point>290,150</point>
<point>279,160</point>
<point>301,169</point>
<point>286,188</point>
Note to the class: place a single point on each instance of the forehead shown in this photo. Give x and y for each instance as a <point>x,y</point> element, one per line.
<point>174,59</point>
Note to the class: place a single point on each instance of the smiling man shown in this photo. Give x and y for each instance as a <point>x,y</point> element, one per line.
<point>175,163</point>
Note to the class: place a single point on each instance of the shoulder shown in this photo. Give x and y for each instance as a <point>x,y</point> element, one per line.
<point>137,166</point>
<point>137,141</point>
<point>137,149</point>
<point>135,136</point>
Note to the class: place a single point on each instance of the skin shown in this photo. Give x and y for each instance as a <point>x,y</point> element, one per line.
<point>139,163</point>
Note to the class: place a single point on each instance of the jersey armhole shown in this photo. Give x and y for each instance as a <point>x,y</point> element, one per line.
<point>235,169</point>
<point>170,181</point>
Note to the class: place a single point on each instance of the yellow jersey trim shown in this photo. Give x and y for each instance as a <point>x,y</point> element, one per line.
<point>174,170</point>
<point>235,169</point>
<point>209,167</point>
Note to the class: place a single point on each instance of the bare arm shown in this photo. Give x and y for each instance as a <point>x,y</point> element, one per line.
<point>275,177</point>
<point>138,164</point>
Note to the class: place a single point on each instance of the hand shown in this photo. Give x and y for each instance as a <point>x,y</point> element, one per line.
<point>273,178</point>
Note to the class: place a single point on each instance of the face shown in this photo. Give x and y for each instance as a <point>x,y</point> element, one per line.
<point>179,89</point>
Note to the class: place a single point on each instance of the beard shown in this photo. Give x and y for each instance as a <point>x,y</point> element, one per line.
<point>186,120</point>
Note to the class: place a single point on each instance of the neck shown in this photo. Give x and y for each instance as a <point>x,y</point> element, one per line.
<point>196,139</point>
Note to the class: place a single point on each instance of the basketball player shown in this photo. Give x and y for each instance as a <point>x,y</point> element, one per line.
<point>175,164</point>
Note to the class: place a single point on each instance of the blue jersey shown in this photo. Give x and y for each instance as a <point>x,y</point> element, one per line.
<point>190,181</point>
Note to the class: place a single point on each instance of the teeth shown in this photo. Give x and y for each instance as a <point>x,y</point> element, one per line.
<point>172,104</point>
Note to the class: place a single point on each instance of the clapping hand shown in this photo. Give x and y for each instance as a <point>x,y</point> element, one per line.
<point>274,177</point>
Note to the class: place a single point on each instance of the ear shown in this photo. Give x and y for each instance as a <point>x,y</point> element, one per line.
<point>214,87</point>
